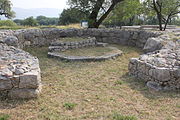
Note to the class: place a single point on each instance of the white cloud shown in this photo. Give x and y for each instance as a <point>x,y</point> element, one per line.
<point>59,4</point>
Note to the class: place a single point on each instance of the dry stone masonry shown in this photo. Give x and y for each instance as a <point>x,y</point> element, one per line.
<point>161,68</point>
<point>110,55</point>
<point>56,50</point>
<point>20,73</point>
<point>62,46</point>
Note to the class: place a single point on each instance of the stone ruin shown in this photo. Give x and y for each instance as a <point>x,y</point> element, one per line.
<point>56,50</point>
<point>160,67</point>
<point>20,72</point>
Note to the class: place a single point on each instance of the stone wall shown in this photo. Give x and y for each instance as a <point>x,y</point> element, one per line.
<point>160,67</point>
<point>62,46</point>
<point>19,73</point>
<point>42,37</point>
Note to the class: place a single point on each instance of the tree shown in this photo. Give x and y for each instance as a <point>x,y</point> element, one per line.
<point>71,15</point>
<point>18,21</point>
<point>9,23</point>
<point>43,20</point>
<point>30,22</point>
<point>99,9</point>
<point>164,9</point>
<point>126,13</point>
<point>5,8</point>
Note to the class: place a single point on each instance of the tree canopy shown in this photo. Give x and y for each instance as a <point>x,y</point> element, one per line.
<point>125,13</point>
<point>5,8</point>
<point>71,15</point>
<point>98,9</point>
<point>164,10</point>
<point>30,22</point>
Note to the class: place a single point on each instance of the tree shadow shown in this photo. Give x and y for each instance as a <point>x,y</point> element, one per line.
<point>7,103</point>
<point>140,85</point>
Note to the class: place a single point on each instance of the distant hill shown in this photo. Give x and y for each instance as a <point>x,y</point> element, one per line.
<point>24,13</point>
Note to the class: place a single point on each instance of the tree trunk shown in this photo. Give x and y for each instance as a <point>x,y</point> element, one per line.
<point>167,21</point>
<point>94,14</point>
<point>93,22</point>
<point>160,22</point>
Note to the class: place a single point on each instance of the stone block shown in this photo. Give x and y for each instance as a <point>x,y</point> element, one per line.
<point>30,80</point>
<point>24,93</point>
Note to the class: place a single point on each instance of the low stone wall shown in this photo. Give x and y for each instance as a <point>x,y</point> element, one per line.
<point>115,53</point>
<point>62,46</point>
<point>161,68</point>
<point>19,73</point>
<point>44,37</point>
<point>26,84</point>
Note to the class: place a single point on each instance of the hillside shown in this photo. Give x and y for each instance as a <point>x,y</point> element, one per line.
<point>48,12</point>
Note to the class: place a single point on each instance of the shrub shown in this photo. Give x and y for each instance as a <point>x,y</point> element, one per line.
<point>7,23</point>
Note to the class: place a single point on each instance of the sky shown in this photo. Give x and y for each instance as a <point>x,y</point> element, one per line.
<point>59,4</point>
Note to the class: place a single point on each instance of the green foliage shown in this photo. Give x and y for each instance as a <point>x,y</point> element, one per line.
<point>126,13</point>
<point>97,10</point>
<point>69,106</point>
<point>5,8</point>
<point>164,10</point>
<point>42,20</point>
<point>4,117</point>
<point>121,117</point>
<point>119,82</point>
<point>30,22</point>
<point>175,22</point>
<point>71,15</point>
<point>18,21</point>
<point>7,23</point>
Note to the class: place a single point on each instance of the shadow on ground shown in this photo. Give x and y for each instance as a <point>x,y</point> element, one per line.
<point>140,85</point>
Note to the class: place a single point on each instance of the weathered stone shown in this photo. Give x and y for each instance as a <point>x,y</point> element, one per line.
<point>24,93</point>
<point>5,84</point>
<point>153,44</point>
<point>30,80</point>
<point>15,81</point>
<point>12,41</point>
<point>154,85</point>
<point>18,69</point>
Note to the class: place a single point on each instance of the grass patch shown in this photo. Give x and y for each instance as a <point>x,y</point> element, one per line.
<point>4,117</point>
<point>69,106</point>
<point>17,27</point>
<point>122,117</point>
<point>92,51</point>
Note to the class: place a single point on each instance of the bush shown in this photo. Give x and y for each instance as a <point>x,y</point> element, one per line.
<point>7,23</point>
<point>30,22</point>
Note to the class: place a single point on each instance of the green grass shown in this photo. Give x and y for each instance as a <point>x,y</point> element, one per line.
<point>122,117</point>
<point>91,51</point>
<point>69,106</point>
<point>39,27</point>
<point>92,86</point>
<point>4,117</point>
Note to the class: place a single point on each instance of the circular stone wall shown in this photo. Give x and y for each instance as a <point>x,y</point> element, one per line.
<point>109,55</point>
<point>25,83</point>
